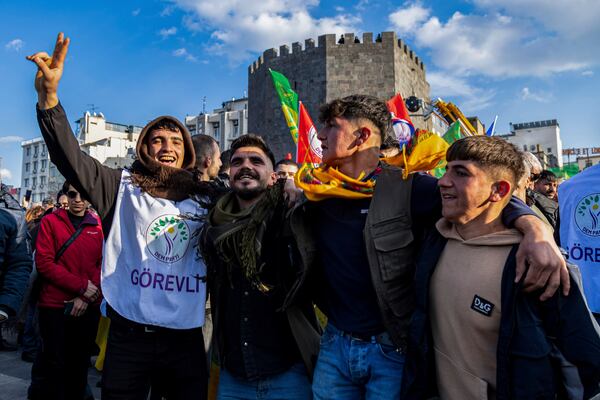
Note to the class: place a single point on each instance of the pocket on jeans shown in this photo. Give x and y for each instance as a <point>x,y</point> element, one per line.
<point>326,338</point>
<point>390,353</point>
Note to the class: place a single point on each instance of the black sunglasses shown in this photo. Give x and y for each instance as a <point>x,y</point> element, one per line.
<point>72,194</point>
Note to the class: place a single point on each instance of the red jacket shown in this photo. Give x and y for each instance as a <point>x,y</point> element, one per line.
<point>68,278</point>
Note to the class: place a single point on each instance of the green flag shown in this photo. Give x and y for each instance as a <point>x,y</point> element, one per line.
<point>289,102</point>
<point>453,133</point>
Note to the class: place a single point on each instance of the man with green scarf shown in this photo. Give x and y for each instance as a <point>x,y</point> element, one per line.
<point>265,347</point>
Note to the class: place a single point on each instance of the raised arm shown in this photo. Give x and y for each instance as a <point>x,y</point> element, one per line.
<point>98,183</point>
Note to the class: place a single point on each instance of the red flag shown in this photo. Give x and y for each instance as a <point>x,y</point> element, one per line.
<point>403,126</point>
<point>309,146</point>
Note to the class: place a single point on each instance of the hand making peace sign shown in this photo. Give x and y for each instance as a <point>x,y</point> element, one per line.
<point>50,70</point>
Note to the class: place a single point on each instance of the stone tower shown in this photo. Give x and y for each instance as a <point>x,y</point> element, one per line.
<point>329,70</point>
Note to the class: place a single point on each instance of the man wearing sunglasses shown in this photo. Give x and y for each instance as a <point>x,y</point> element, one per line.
<point>68,258</point>
<point>152,278</point>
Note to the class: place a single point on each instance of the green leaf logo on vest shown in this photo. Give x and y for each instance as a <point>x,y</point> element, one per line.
<point>587,215</point>
<point>168,238</point>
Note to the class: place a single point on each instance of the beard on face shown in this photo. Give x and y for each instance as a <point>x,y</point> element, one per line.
<point>248,193</point>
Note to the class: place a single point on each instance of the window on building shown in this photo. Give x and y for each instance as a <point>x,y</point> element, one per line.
<point>26,182</point>
<point>43,149</point>
<point>42,180</point>
<point>34,167</point>
<point>216,129</point>
<point>44,162</point>
<point>27,166</point>
<point>33,198</point>
<point>532,147</point>
<point>34,181</point>
<point>236,128</point>
<point>524,147</point>
<point>549,150</point>
<point>35,151</point>
<point>28,151</point>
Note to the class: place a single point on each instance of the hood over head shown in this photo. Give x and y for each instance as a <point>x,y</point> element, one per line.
<point>189,156</point>
<point>160,180</point>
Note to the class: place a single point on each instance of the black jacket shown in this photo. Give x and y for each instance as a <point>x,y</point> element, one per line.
<point>535,338</point>
<point>15,254</point>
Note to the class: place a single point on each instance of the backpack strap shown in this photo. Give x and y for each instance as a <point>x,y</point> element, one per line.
<point>65,245</point>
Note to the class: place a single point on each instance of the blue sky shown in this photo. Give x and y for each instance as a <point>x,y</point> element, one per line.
<point>524,60</point>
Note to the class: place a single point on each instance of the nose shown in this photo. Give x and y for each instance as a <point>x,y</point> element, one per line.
<point>444,181</point>
<point>322,135</point>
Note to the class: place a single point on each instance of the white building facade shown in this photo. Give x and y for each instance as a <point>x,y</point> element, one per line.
<point>224,124</point>
<point>110,143</point>
<point>539,137</point>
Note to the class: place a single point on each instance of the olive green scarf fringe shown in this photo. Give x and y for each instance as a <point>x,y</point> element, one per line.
<point>240,234</point>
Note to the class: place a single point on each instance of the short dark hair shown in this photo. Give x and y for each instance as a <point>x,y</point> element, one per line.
<point>60,193</point>
<point>492,153</point>
<point>165,124</point>
<point>285,161</point>
<point>359,106</point>
<point>203,147</point>
<point>65,189</point>
<point>548,175</point>
<point>225,160</point>
<point>252,140</point>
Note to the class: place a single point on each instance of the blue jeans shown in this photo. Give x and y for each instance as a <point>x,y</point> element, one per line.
<point>350,368</point>
<point>290,385</point>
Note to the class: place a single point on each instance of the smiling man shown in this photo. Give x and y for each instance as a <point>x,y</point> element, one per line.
<point>152,278</point>
<point>247,253</point>
<point>487,338</point>
<point>359,234</point>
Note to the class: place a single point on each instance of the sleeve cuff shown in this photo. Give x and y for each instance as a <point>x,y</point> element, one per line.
<point>57,109</point>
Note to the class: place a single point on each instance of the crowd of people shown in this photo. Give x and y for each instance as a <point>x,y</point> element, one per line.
<point>233,276</point>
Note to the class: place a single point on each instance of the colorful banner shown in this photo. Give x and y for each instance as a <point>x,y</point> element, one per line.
<point>289,102</point>
<point>403,126</point>
<point>453,133</point>
<point>309,145</point>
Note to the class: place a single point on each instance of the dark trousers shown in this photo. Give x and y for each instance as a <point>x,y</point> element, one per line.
<point>61,367</point>
<point>139,357</point>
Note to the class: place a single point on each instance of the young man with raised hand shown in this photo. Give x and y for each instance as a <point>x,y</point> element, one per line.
<point>152,278</point>
<point>358,235</point>
<point>486,337</point>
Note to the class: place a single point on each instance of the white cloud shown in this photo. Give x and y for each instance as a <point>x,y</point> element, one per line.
<point>11,139</point>
<point>587,73</point>
<point>541,97</point>
<point>506,38</point>
<point>5,173</point>
<point>136,12</point>
<point>240,28</point>
<point>165,33</point>
<point>471,98</point>
<point>182,52</point>
<point>167,11</point>
<point>15,44</point>
<point>406,19</point>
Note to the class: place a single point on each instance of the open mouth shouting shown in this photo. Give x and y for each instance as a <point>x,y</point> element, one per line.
<point>168,160</point>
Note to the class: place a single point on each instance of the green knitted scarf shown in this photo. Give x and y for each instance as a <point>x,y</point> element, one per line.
<point>240,234</point>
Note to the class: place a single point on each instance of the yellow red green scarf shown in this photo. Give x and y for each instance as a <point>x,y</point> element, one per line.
<point>326,182</point>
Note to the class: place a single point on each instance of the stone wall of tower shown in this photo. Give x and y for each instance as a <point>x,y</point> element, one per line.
<point>323,72</point>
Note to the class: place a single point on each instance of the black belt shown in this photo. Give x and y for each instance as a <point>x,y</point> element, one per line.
<point>119,320</point>
<point>382,338</point>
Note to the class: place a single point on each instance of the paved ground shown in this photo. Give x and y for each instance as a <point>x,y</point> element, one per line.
<point>15,376</point>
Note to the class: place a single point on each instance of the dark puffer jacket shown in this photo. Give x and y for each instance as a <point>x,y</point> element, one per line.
<point>15,253</point>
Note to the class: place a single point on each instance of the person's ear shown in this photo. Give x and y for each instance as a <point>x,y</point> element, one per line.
<point>364,134</point>
<point>500,190</point>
